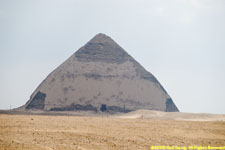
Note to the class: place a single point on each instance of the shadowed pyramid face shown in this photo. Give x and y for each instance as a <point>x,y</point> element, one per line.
<point>100,76</point>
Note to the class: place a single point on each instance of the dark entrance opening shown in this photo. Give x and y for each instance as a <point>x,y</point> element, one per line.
<point>103,107</point>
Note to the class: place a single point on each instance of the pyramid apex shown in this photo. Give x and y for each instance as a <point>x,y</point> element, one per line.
<point>101,38</point>
<point>102,48</point>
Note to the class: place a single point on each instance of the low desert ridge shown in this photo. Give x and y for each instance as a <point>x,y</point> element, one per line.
<point>159,115</point>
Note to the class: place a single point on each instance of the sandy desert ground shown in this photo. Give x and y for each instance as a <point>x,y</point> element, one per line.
<point>38,132</point>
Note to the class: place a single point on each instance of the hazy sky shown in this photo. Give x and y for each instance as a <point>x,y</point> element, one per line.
<point>182,42</point>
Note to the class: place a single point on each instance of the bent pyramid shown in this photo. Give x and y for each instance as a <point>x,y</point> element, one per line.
<point>100,76</point>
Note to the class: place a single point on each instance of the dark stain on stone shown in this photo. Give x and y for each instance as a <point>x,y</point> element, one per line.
<point>38,101</point>
<point>65,90</point>
<point>68,75</point>
<point>92,75</point>
<point>62,78</point>
<point>73,76</point>
<point>120,93</point>
<point>82,99</point>
<point>170,106</point>
<point>149,77</point>
<point>52,80</point>
<point>74,107</point>
<point>118,109</point>
<point>113,109</point>
<point>110,76</point>
<point>133,102</point>
<point>98,76</point>
<point>71,88</point>
<point>125,76</point>
<point>108,70</point>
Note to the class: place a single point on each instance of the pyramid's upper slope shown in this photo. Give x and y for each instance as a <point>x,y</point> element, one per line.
<point>102,48</point>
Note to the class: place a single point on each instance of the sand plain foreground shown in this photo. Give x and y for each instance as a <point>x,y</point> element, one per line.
<point>38,132</point>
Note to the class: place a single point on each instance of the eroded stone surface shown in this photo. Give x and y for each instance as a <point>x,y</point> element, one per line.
<point>77,107</point>
<point>102,50</point>
<point>38,101</point>
<point>170,106</point>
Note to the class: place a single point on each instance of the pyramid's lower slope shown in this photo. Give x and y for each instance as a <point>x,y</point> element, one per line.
<point>100,76</point>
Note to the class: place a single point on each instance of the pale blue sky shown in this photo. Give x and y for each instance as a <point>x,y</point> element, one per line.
<point>182,42</point>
